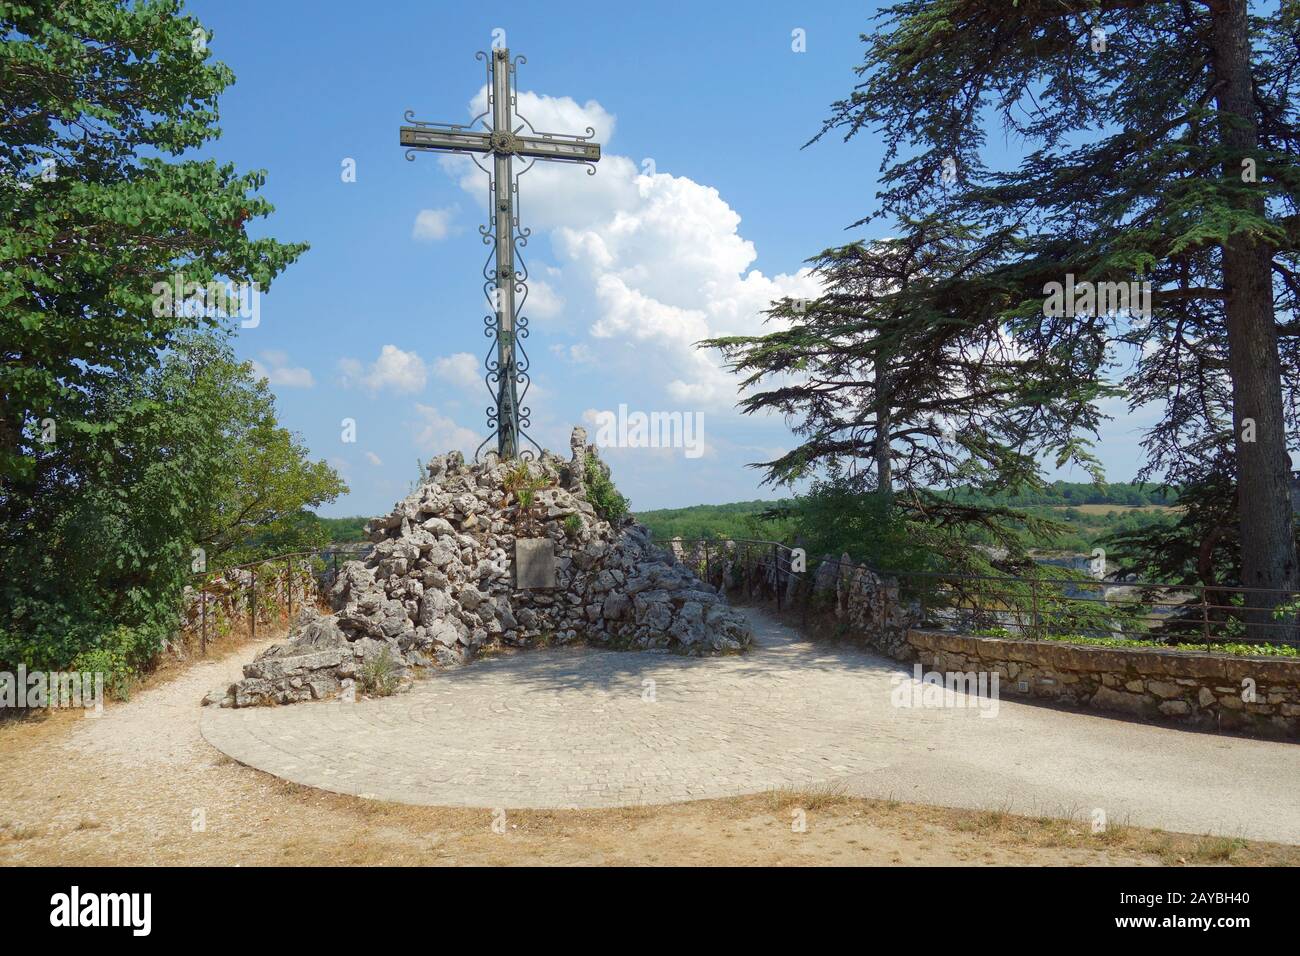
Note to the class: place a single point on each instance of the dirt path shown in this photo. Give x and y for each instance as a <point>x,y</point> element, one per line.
<point>133,786</point>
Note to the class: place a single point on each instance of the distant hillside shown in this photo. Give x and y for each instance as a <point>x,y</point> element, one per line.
<point>1075,493</point>
<point>345,530</point>
<point>737,520</point>
<point>1089,511</point>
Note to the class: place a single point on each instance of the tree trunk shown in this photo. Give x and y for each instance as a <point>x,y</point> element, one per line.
<point>1268,554</point>
<point>884,422</point>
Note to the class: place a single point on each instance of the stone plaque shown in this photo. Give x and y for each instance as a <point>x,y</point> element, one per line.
<point>534,563</point>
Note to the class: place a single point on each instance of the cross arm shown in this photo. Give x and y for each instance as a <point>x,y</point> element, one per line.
<point>548,146</point>
<point>454,139</point>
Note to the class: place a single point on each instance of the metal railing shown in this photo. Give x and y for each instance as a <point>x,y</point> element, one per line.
<point>1031,606</point>
<point>210,579</point>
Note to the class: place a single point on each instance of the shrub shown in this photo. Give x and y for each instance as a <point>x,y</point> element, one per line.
<point>86,641</point>
<point>116,660</point>
<point>379,675</point>
<point>602,494</point>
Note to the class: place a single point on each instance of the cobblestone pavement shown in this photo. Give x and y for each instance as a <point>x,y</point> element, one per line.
<point>577,727</point>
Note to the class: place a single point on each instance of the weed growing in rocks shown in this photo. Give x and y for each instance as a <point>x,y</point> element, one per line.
<point>602,494</point>
<point>380,675</point>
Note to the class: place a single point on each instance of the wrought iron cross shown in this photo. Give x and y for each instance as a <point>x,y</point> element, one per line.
<point>503,279</point>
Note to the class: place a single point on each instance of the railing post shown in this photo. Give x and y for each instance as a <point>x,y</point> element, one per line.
<point>776,574</point>
<point>252,604</point>
<point>1033,590</point>
<point>1205,617</point>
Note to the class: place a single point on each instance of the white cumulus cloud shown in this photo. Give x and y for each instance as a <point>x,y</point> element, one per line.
<point>432,224</point>
<point>278,371</point>
<point>654,259</point>
<point>436,433</point>
<point>543,301</point>
<point>461,369</point>
<point>395,370</point>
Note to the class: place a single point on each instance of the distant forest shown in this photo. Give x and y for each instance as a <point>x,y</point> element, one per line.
<point>1063,493</point>
<point>1073,503</point>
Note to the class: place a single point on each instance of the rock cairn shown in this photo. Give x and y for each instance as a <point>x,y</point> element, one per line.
<point>440,585</point>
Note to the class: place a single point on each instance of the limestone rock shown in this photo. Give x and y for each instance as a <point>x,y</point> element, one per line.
<point>438,584</point>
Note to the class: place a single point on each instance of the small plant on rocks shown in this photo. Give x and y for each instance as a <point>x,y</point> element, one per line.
<point>602,494</point>
<point>523,484</point>
<point>379,675</point>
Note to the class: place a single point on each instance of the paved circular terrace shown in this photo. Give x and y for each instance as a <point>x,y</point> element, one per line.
<point>576,727</point>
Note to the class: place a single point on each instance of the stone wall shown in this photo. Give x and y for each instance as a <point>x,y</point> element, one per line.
<point>1255,695</point>
<point>1258,695</point>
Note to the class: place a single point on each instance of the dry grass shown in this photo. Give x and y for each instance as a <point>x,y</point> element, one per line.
<point>815,798</point>
<point>269,821</point>
<point>16,833</point>
<point>188,652</point>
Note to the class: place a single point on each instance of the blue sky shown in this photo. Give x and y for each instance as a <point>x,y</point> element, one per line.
<point>702,209</point>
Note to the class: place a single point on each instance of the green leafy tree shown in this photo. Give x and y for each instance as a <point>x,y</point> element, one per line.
<point>100,480</point>
<point>1162,143</point>
<point>100,98</point>
<point>198,462</point>
<point>261,481</point>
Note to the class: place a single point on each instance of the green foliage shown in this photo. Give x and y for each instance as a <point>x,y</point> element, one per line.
<point>262,479</point>
<point>380,675</point>
<point>523,484</point>
<point>1245,650</point>
<point>1073,493</point>
<point>300,531</point>
<point>602,494</point>
<point>878,379</point>
<point>343,530</point>
<point>834,518</point>
<point>572,524</point>
<point>1076,530</point>
<point>1201,546</point>
<point>742,519</point>
<point>122,655</point>
<point>97,526</point>
<point>1132,170</point>
<point>107,93</point>
<point>198,462</point>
